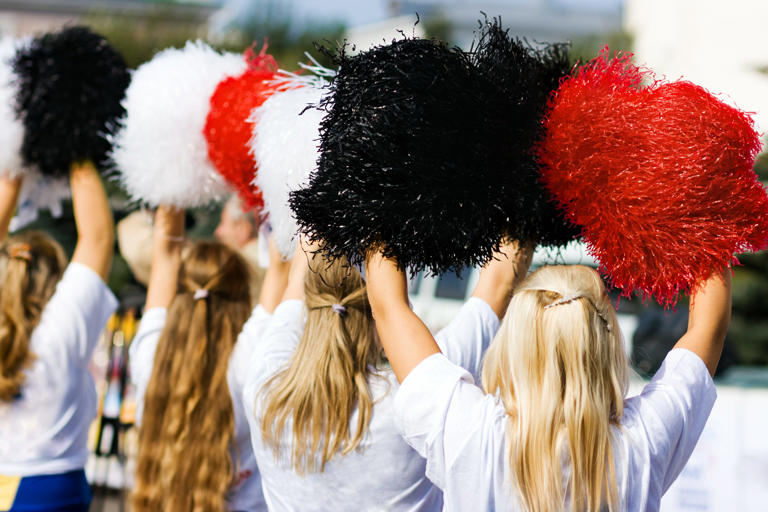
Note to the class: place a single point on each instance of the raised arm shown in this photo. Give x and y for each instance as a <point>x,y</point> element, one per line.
<point>709,316</point>
<point>405,338</point>
<point>275,279</point>
<point>9,196</point>
<point>167,243</point>
<point>500,276</point>
<point>302,258</point>
<point>93,217</point>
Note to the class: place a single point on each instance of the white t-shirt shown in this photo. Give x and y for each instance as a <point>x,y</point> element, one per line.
<point>462,433</point>
<point>245,492</point>
<point>46,430</point>
<point>383,473</point>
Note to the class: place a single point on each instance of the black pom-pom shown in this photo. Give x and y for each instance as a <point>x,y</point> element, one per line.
<point>522,78</point>
<point>404,161</point>
<point>70,85</point>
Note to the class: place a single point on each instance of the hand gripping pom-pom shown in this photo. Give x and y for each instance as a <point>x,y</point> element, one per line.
<point>523,78</point>
<point>70,85</point>
<point>160,151</point>
<point>404,162</point>
<point>226,130</point>
<point>286,136</point>
<point>658,176</point>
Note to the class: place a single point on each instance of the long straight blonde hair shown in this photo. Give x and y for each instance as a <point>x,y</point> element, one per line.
<point>559,367</point>
<point>32,265</point>
<point>185,439</point>
<point>327,378</point>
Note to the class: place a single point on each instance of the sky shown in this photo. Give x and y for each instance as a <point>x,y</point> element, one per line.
<point>357,12</point>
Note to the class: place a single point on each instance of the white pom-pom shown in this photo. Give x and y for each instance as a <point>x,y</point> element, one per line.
<point>286,136</point>
<point>11,128</point>
<point>161,152</point>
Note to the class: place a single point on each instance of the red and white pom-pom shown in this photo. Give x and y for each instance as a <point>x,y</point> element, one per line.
<point>11,128</point>
<point>286,137</point>
<point>658,176</point>
<point>226,130</point>
<point>160,151</point>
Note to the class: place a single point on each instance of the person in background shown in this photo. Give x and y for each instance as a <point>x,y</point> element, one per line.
<point>194,441</point>
<point>551,429</point>
<point>240,229</point>
<point>51,317</point>
<point>319,393</point>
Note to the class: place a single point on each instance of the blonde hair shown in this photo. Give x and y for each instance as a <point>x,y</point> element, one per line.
<point>327,377</point>
<point>559,367</point>
<point>184,461</point>
<point>32,265</point>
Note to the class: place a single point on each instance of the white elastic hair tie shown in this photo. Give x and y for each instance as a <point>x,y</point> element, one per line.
<point>338,309</point>
<point>200,293</point>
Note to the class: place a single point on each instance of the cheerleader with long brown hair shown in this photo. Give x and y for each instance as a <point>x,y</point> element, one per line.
<point>194,443</point>
<point>51,316</point>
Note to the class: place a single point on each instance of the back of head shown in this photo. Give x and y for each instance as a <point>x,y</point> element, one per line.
<point>559,367</point>
<point>32,264</point>
<point>236,227</point>
<point>184,460</point>
<point>327,377</point>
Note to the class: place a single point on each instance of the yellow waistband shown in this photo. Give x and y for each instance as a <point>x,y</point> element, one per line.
<point>8,487</point>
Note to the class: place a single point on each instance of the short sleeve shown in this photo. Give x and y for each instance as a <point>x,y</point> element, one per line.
<point>77,312</point>
<point>142,353</point>
<point>435,393</point>
<point>672,411</point>
<point>249,338</point>
<point>465,340</point>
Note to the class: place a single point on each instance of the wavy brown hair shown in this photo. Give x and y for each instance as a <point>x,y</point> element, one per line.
<point>185,439</point>
<point>327,377</point>
<point>32,264</point>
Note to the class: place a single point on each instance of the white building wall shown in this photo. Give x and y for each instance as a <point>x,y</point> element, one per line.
<point>718,45</point>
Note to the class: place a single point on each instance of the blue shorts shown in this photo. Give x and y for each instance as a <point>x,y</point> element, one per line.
<point>65,492</point>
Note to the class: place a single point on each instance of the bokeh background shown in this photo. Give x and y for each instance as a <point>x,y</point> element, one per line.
<point>719,45</point>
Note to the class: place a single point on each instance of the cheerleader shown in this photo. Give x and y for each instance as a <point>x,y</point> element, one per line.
<point>194,442</point>
<point>51,317</point>
<point>320,394</point>
<point>551,429</point>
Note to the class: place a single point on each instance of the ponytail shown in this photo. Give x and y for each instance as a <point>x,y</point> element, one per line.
<point>188,425</point>
<point>327,377</point>
<point>32,266</point>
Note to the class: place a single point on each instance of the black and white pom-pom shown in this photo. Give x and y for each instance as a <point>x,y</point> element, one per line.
<point>405,161</point>
<point>522,78</point>
<point>70,84</point>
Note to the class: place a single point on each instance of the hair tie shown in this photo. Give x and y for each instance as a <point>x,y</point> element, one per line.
<point>339,309</point>
<point>563,300</point>
<point>21,251</point>
<point>570,298</point>
<point>200,293</point>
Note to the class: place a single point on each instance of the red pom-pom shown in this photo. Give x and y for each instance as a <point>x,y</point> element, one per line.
<point>658,176</point>
<point>227,131</point>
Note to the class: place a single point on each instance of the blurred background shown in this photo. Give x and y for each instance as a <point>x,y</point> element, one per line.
<point>719,45</point>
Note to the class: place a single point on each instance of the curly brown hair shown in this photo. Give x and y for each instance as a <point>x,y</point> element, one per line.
<point>32,264</point>
<point>187,431</point>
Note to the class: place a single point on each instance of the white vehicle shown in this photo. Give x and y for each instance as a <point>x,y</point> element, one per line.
<point>437,299</point>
